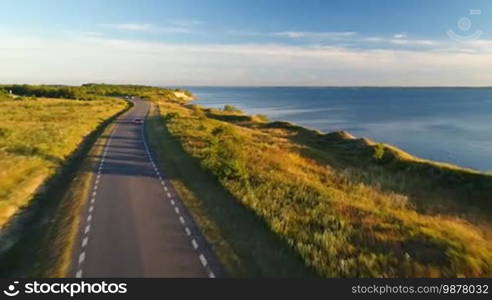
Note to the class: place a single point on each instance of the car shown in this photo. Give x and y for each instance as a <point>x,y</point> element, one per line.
<point>138,121</point>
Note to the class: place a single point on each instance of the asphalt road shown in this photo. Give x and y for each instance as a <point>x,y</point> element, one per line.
<point>134,224</point>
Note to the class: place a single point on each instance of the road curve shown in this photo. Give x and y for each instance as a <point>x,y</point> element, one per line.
<point>134,225</point>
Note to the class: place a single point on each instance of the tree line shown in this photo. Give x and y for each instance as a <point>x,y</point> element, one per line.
<point>87,91</point>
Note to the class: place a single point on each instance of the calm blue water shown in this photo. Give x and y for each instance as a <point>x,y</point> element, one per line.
<point>444,124</point>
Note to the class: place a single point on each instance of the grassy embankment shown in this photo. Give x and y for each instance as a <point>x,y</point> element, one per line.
<point>46,156</point>
<point>348,207</point>
<point>41,144</point>
<point>36,137</point>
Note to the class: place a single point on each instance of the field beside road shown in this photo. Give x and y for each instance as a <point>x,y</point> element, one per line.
<point>37,135</point>
<point>349,207</point>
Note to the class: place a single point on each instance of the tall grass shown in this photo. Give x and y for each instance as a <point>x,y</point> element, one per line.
<point>342,224</point>
<point>36,137</point>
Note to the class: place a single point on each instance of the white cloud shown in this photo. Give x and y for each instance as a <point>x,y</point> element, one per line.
<point>185,22</point>
<point>131,27</point>
<point>400,36</point>
<point>95,59</point>
<point>147,28</point>
<point>310,34</point>
<point>401,41</point>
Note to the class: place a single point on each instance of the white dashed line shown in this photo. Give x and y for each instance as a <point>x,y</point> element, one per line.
<point>87,228</point>
<point>81,257</point>
<point>203,260</point>
<point>195,244</point>
<point>84,242</point>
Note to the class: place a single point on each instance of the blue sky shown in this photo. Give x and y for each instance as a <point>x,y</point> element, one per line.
<point>261,42</point>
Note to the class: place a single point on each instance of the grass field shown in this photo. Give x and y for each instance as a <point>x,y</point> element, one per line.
<point>225,223</point>
<point>349,207</point>
<point>36,138</point>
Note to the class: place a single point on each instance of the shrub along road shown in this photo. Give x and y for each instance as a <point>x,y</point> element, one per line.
<point>134,225</point>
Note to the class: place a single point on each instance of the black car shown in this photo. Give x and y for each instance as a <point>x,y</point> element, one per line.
<point>138,121</point>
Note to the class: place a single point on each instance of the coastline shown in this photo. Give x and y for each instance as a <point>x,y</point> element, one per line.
<point>333,197</point>
<point>435,124</point>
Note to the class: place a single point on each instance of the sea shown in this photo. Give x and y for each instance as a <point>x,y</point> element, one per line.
<point>451,125</point>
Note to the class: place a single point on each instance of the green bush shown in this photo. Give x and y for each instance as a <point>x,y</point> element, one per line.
<point>263,118</point>
<point>171,116</point>
<point>223,155</point>
<point>379,152</point>
<point>231,108</point>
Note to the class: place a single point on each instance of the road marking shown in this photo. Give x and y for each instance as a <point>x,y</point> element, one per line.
<point>97,181</point>
<point>195,244</point>
<point>81,257</point>
<point>96,186</point>
<point>79,274</point>
<point>91,208</point>
<point>203,260</point>
<point>94,194</point>
<point>93,200</point>
<point>87,228</point>
<point>84,242</point>
<point>89,218</point>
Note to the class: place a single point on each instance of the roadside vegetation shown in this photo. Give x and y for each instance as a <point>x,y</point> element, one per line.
<point>89,91</point>
<point>348,207</point>
<point>37,135</point>
<point>273,199</point>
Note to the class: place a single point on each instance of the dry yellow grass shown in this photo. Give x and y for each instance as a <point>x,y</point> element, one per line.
<point>312,190</point>
<point>36,137</point>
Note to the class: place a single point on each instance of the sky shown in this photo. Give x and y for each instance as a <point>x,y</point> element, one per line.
<point>247,43</point>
